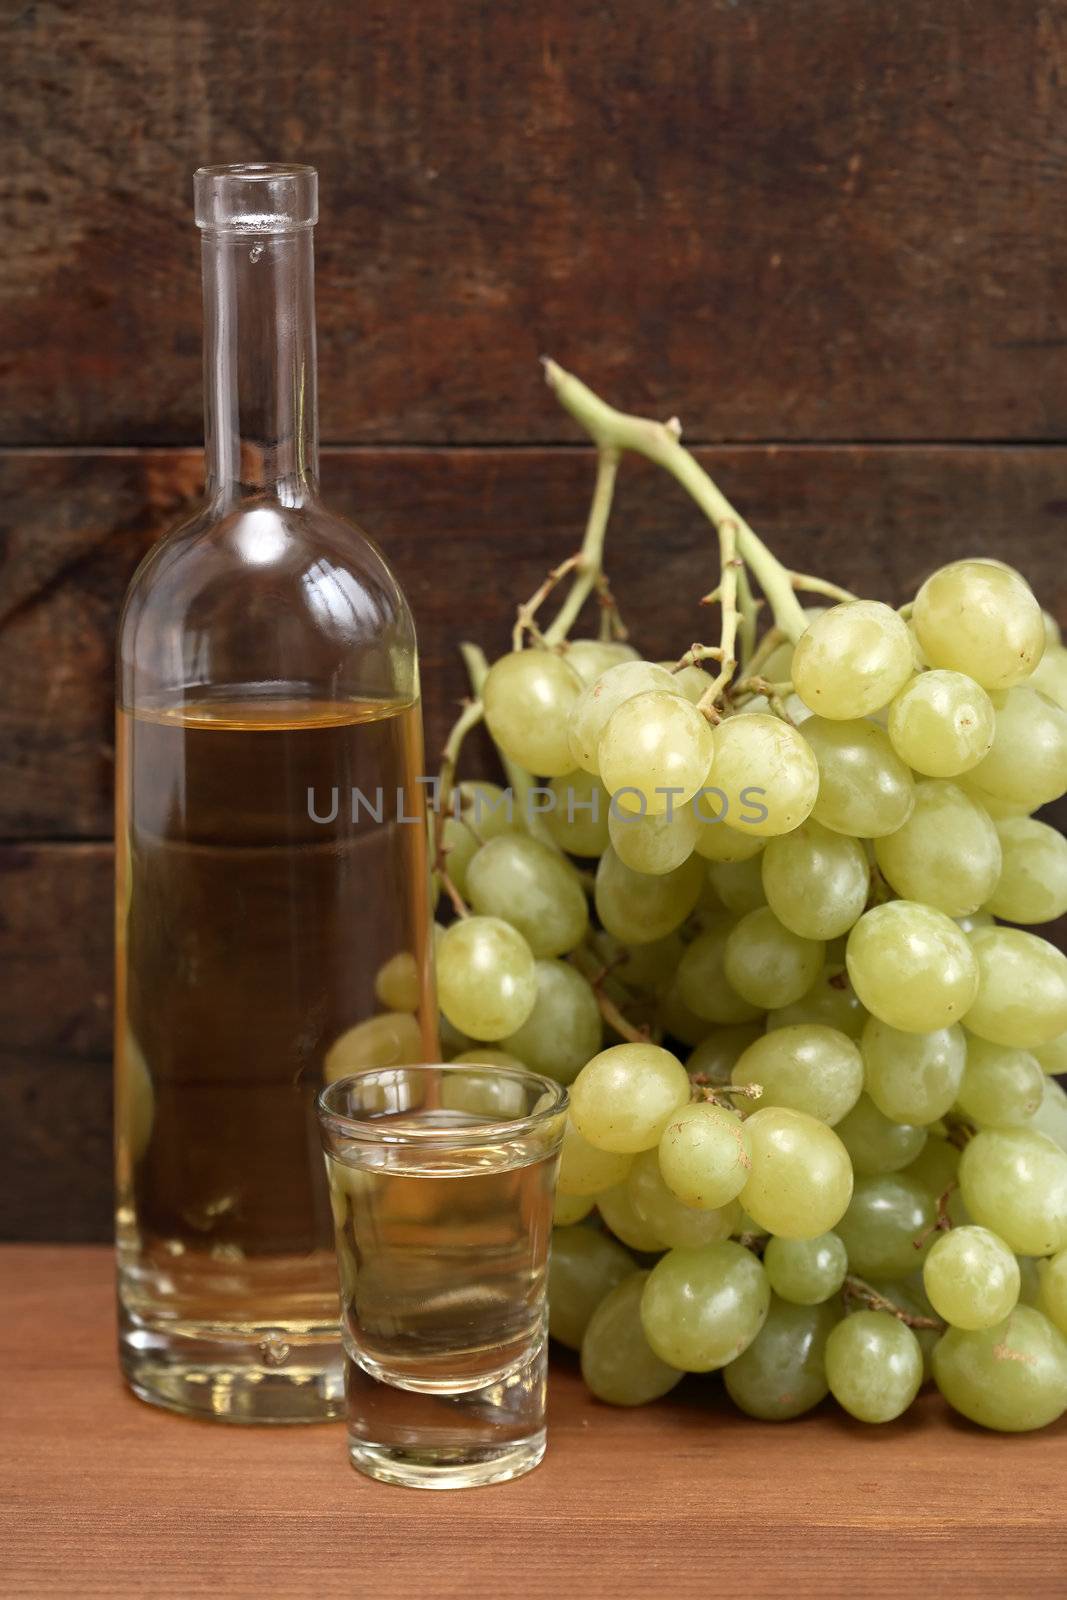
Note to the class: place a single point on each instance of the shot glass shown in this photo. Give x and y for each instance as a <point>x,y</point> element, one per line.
<point>441,1182</point>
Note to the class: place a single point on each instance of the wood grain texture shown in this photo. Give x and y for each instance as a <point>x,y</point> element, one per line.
<point>102,1496</point>
<point>470,533</point>
<point>783,223</point>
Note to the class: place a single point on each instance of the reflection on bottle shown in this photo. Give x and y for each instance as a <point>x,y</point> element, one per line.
<point>398,984</point>
<point>136,1097</point>
<point>392,1039</point>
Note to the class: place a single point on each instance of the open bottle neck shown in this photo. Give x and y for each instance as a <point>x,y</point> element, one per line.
<point>260,397</point>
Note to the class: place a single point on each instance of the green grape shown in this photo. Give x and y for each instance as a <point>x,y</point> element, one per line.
<point>1050,1118</point>
<point>801,1179</point>
<point>1033,878</point>
<point>601,698</point>
<point>485,811</point>
<point>864,787</point>
<point>806,1271</point>
<point>981,618</point>
<point>702,983</point>
<point>767,964</point>
<point>830,1000</point>
<point>623,1099</point>
<point>764,773</point>
<point>1050,676</point>
<point>946,855</point>
<point>655,751</point>
<point>528,698</point>
<point>586,1169</point>
<point>655,843</point>
<point>883,1228</point>
<point>972,1278</point>
<point>912,967</point>
<point>716,840</point>
<point>1027,763</point>
<point>782,1373</point>
<point>701,1308</point>
<point>875,1143</point>
<point>1053,1056</point>
<point>618,1363</point>
<point>874,1366</point>
<point>637,908</point>
<point>715,1055</point>
<point>524,882</point>
<point>583,1267</point>
<point>617,1210</point>
<point>692,680</point>
<point>936,1166</point>
<point>1053,634</point>
<point>398,985</point>
<point>591,657</point>
<point>704,1156</point>
<point>571,1208</point>
<point>564,1029</point>
<point>578,821</point>
<point>671,1219</point>
<point>1014,1181</point>
<point>913,1077</point>
<point>738,884</point>
<point>941,724</point>
<point>1012,1377</point>
<point>807,1068</point>
<point>1022,988</point>
<point>486,977</point>
<point>816,881</point>
<point>1001,1087</point>
<point>1052,1290</point>
<point>852,660</point>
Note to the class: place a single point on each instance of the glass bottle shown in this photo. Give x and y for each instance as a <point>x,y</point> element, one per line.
<point>272,885</point>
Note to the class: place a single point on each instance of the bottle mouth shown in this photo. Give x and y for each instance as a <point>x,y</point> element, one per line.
<point>257,198</point>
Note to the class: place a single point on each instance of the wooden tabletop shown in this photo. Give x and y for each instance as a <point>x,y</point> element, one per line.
<point>101,1495</point>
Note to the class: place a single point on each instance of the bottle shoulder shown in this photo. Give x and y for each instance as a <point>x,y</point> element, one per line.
<point>259,592</point>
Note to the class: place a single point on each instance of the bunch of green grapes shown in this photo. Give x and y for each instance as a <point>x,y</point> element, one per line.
<point>815,1140</point>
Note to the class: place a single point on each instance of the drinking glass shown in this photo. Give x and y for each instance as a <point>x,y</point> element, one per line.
<point>441,1183</point>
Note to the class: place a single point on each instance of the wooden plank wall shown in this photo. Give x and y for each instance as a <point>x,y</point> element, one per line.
<point>831,238</point>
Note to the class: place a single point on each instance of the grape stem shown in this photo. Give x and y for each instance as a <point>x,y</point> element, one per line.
<point>660,443</point>
<point>588,569</point>
<point>610,1012</point>
<point>855,1289</point>
<point>942,1222</point>
<point>707,1090</point>
<point>749,608</point>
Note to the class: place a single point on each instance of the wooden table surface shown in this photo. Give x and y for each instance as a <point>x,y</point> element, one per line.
<point>104,1496</point>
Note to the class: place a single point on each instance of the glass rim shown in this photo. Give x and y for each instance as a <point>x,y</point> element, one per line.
<point>374,1130</point>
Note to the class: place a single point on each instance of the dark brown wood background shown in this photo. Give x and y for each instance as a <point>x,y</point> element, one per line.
<point>831,237</point>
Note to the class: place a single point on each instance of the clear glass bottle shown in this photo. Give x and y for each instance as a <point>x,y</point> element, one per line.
<point>272,887</point>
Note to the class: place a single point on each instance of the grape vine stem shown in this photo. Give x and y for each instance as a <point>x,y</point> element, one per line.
<point>660,443</point>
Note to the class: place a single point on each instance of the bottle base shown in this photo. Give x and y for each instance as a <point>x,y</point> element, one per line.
<point>266,1376</point>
